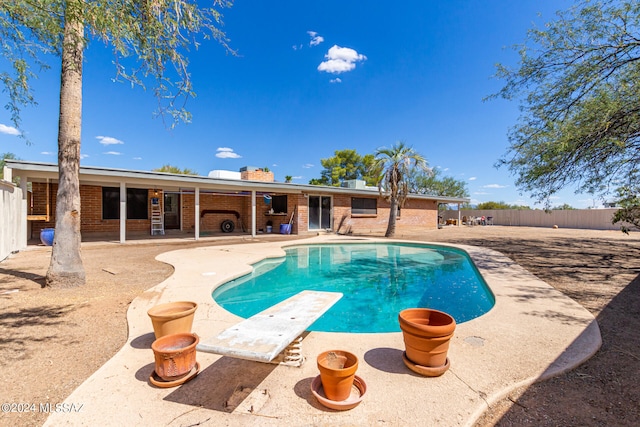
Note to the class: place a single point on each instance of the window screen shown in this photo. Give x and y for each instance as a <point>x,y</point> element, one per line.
<point>360,206</point>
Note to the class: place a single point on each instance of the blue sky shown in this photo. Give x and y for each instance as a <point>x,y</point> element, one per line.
<point>311,78</point>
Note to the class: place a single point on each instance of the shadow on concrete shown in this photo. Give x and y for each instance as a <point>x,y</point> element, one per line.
<point>387,360</point>
<point>224,386</point>
<point>143,341</point>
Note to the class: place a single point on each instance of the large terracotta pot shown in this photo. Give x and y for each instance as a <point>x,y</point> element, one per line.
<point>172,318</point>
<point>175,355</point>
<point>426,335</point>
<point>337,372</point>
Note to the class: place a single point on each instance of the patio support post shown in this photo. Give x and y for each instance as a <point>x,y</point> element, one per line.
<point>253,213</point>
<point>123,212</point>
<point>459,218</point>
<point>197,233</point>
<point>24,211</point>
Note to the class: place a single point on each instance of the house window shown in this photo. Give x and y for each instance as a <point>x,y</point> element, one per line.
<point>137,203</point>
<point>279,203</point>
<point>361,206</point>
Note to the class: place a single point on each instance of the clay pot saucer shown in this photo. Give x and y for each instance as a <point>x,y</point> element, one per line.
<point>358,390</point>
<point>426,371</point>
<point>159,382</point>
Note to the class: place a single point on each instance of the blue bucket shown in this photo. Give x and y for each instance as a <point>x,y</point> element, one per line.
<point>46,236</point>
<point>285,228</point>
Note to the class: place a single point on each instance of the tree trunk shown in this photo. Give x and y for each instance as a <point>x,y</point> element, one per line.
<point>66,269</point>
<point>393,214</point>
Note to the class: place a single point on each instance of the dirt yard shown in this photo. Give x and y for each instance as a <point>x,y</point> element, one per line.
<point>52,340</point>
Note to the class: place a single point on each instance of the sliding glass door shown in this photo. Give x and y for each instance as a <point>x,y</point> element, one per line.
<point>319,212</point>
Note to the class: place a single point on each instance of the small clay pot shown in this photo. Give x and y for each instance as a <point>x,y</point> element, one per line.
<point>337,372</point>
<point>426,334</point>
<point>172,318</point>
<point>175,355</point>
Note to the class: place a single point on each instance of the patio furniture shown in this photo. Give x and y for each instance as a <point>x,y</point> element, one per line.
<point>272,336</point>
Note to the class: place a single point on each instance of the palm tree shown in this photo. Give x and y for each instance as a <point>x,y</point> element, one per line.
<point>152,33</point>
<point>393,167</point>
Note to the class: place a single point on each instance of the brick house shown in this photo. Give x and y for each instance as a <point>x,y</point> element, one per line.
<point>127,202</point>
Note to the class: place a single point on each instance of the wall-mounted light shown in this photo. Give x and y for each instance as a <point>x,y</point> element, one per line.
<point>155,192</point>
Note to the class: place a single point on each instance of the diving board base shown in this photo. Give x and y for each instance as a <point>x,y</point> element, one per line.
<point>292,355</point>
<point>273,335</point>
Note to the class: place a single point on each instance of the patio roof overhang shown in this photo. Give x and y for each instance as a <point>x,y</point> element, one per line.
<point>95,175</point>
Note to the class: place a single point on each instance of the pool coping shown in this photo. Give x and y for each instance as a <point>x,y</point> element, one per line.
<point>533,332</point>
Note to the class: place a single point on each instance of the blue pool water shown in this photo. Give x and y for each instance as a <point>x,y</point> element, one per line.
<point>378,280</point>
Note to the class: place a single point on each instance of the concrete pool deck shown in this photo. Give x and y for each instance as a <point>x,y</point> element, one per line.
<point>532,333</point>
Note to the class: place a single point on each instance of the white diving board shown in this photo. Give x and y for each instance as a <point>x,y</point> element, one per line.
<point>264,336</point>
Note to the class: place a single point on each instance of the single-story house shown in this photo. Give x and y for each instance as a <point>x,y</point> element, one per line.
<point>123,202</point>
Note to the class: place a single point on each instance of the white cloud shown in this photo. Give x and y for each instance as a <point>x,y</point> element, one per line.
<point>137,158</point>
<point>296,47</point>
<point>47,153</point>
<point>336,80</point>
<point>83,156</point>
<point>472,178</point>
<point>9,130</point>
<point>315,38</point>
<point>494,186</point>
<point>307,166</point>
<point>340,60</point>
<point>112,153</point>
<point>481,193</point>
<point>227,153</point>
<point>296,177</point>
<point>108,140</point>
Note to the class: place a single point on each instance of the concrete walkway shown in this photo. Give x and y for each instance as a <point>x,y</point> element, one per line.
<point>532,333</point>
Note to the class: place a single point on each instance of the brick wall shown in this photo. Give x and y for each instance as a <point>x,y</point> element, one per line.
<point>256,175</point>
<point>211,221</point>
<point>90,213</point>
<point>415,215</point>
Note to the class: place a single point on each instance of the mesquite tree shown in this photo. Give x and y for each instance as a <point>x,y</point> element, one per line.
<point>577,80</point>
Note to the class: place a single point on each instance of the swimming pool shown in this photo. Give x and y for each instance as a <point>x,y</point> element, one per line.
<point>378,280</point>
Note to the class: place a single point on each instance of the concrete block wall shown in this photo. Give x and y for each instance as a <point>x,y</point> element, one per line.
<point>593,219</point>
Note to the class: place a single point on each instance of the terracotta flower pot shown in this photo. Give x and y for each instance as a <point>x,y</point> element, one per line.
<point>172,318</point>
<point>175,355</point>
<point>337,372</point>
<point>426,334</point>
